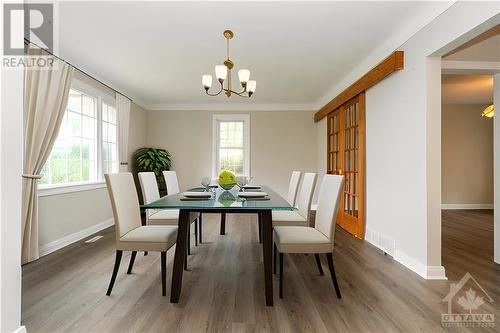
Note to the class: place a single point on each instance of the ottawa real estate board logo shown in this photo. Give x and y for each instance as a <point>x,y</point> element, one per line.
<point>464,305</point>
<point>31,22</point>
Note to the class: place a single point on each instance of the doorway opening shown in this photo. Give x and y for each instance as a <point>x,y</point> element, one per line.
<point>467,157</point>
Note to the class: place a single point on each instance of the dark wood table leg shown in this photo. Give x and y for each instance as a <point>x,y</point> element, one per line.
<point>260,227</point>
<point>223,224</point>
<point>180,253</point>
<point>267,246</point>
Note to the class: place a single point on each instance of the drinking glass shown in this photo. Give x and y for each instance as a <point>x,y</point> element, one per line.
<point>241,181</point>
<point>205,181</point>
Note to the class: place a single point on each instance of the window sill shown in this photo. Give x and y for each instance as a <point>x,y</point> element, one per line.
<point>71,188</point>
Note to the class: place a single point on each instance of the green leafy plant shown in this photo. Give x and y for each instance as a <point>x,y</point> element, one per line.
<point>154,160</point>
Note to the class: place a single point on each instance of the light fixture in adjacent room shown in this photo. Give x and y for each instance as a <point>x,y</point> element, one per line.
<point>223,75</point>
<point>488,111</point>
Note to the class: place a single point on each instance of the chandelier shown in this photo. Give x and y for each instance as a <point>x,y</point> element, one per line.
<point>223,74</point>
<point>489,111</point>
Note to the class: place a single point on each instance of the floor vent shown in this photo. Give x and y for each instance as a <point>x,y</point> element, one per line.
<point>93,239</point>
<point>383,242</point>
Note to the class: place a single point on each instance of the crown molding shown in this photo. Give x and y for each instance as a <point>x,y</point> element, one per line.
<point>234,107</point>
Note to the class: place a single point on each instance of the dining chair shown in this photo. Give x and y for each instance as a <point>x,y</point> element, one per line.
<point>172,184</point>
<point>291,197</point>
<point>150,193</point>
<point>317,239</point>
<point>293,187</point>
<point>300,217</point>
<point>131,235</point>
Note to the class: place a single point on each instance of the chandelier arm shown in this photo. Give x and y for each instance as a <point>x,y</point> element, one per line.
<point>218,93</point>
<point>238,93</point>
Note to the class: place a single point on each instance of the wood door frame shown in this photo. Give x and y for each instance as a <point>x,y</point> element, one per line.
<point>355,226</point>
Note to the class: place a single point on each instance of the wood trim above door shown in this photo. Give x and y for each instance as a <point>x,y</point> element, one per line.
<point>389,65</point>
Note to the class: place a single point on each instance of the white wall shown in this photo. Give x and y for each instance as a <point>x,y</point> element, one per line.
<point>403,139</point>
<point>280,142</point>
<point>467,156</point>
<point>11,147</point>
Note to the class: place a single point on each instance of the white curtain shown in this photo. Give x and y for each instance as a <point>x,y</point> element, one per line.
<point>45,99</point>
<point>123,110</point>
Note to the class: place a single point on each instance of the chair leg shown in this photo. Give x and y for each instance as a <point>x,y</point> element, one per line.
<point>281,275</point>
<point>189,239</point>
<point>164,273</point>
<point>115,271</point>
<point>332,272</point>
<point>200,222</point>
<point>318,262</point>
<point>196,232</point>
<point>274,258</point>
<point>131,263</point>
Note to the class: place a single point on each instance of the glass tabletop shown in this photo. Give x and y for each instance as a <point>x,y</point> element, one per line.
<point>222,200</point>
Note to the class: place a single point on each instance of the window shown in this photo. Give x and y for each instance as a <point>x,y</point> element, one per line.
<point>231,144</point>
<point>86,146</point>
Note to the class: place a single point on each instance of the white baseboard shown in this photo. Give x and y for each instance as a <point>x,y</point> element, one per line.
<point>70,239</point>
<point>21,329</point>
<point>427,272</point>
<point>388,245</point>
<point>466,206</point>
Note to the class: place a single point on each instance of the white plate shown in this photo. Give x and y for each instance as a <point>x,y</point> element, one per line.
<point>256,187</point>
<point>252,194</point>
<point>197,194</point>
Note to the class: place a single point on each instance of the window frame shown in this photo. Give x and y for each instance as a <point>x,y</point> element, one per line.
<point>216,119</point>
<point>100,96</point>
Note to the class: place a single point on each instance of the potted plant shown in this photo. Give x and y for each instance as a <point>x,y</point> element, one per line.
<point>154,160</point>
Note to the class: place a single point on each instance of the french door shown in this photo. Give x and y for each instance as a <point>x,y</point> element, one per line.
<point>346,156</point>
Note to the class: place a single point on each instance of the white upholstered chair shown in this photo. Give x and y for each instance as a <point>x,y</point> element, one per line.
<point>293,187</point>
<point>150,193</point>
<point>302,239</point>
<point>300,217</point>
<point>131,235</point>
<point>173,187</point>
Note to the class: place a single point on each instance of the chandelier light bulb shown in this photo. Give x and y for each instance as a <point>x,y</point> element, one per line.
<point>221,72</point>
<point>244,76</point>
<point>207,81</point>
<point>251,85</point>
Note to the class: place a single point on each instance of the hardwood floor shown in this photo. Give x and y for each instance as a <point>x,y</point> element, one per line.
<point>224,291</point>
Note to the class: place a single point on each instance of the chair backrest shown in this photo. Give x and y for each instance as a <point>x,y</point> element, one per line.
<point>149,186</point>
<point>305,194</point>
<point>124,200</point>
<point>171,182</point>
<point>328,205</point>
<point>292,188</point>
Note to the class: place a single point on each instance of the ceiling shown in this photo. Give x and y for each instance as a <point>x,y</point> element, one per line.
<point>156,52</point>
<point>467,89</point>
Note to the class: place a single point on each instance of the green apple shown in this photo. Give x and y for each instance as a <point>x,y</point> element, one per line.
<point>227,179</point>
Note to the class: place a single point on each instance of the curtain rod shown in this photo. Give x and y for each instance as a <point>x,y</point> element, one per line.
<point>78,69</point>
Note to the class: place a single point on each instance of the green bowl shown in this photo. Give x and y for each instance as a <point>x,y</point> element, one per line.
<point>227,187</point>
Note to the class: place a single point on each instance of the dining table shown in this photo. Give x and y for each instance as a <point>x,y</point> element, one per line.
<point>223,201</point>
